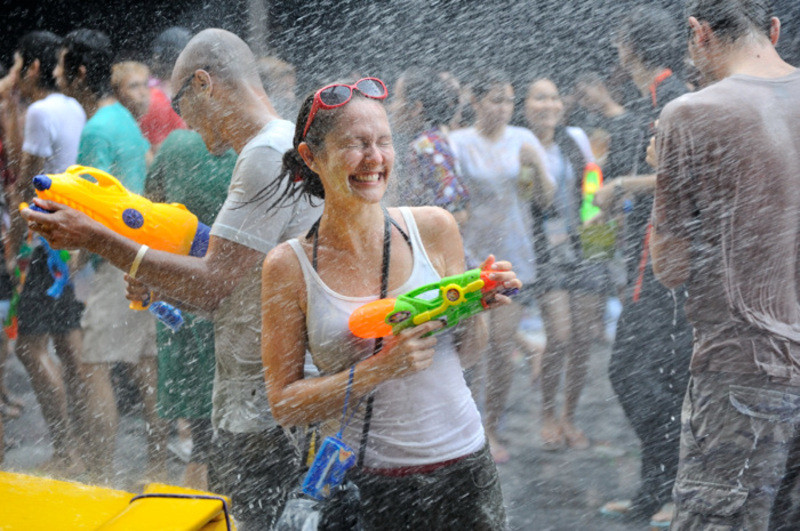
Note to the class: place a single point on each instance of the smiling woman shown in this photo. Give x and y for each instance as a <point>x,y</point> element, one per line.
<point>411,415</point>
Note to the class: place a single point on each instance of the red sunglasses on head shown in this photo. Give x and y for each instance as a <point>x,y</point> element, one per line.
<point>337,94</point>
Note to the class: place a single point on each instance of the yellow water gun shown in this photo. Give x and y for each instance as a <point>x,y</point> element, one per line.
<point>163,226</point>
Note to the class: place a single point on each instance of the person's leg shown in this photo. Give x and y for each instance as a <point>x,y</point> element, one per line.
<point>786,510</point>
<point>504,322</point>
<point>465,495</point>
<point>68,348</point>
<point>737,434</point>
<point>638,377</point>
<point>195,475</point>
<point>586,311</point>
<point>10,406</point>
<point>48,385</point>
<point>557,322</point>
<point>258,471</point>
<point>102,419</point>
<point>157,428</point>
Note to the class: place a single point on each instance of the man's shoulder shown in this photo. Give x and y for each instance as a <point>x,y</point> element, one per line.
<point>277,135</point>
<point>56,104</point>
<point>701,105</point>
<point>112,117</point>
<point>183,139</point>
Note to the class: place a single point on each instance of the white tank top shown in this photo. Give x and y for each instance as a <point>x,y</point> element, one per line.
<point>420,419</point>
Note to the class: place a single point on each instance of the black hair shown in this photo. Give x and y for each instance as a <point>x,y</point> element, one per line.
<point>44,46</point>
<point>91,49</point>
<point>733,19</point>
<point>653,35</point>
<point>296,179</point>
<point>485,80</point>
<point>438,97</point>
<point>167,46</point>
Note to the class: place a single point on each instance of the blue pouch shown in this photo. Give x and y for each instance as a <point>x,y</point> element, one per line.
<point>332,461</point>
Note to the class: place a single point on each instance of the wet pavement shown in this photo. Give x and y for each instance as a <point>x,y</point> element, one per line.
<point>543,490</point>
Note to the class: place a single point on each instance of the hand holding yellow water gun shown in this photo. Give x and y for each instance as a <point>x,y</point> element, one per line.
<point>161,226</point>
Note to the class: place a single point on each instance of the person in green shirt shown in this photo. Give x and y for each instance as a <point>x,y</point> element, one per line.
<point>185,172</point>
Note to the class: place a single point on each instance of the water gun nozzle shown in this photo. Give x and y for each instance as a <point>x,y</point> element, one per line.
<point>42,182</point>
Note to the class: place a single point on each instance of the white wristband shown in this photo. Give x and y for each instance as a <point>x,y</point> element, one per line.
<point>137,261</point>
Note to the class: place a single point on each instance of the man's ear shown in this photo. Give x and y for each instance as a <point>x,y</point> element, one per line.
<point>774,30</point>
<point>34,67</point>
<point>699,33</point>
<point>82,72</point>
<point>203,79</point>
<point>307,155</point>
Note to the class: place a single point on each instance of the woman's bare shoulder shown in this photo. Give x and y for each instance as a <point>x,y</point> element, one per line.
<point>434,223</point>
<point>281,269</point>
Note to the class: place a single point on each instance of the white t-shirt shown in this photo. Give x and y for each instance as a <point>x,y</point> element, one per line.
<point>240,399</point>
<point>498,223</point>
<point>53,128</point>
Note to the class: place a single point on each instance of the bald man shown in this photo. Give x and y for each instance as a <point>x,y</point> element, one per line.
<point>220,95</point>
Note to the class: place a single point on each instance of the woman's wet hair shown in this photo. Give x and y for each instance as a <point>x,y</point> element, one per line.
<point>296,179</point>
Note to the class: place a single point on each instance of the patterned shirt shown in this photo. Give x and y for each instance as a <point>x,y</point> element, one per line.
<point>436,172</point>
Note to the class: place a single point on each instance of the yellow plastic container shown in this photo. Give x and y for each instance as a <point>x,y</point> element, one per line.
<point>33,503</point>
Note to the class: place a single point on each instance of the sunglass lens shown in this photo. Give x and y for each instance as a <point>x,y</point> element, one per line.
<point>335,95</point>
<point>371,88</point>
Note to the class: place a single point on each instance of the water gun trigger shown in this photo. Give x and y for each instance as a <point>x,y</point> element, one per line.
<point>36,208</point>
<point>488,283</point>
<point>141,305</point>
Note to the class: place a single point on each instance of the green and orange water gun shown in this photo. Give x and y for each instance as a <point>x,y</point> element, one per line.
<point>592,182</point>
<point>459,297</point>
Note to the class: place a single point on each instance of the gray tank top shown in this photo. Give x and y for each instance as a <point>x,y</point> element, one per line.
<point>420,419</point>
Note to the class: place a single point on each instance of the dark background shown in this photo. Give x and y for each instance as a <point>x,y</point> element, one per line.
<point>331,38</point>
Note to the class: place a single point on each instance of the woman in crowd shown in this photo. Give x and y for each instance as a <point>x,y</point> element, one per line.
<point>425,461</point>
<point>492,154</point>
<point>569,287</point>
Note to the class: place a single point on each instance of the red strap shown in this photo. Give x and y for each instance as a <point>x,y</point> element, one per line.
<point>637,288</point>
<point>656,82</point>
<point>417,469</point>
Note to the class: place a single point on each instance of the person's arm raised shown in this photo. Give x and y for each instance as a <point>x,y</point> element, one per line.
<point>201,282</point>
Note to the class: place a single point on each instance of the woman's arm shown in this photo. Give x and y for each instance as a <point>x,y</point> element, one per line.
<point>544,189</point>
<point>442,240</point>
<point>295,400</point>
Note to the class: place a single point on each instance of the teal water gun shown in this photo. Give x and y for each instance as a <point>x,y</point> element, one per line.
<point>459,297</point>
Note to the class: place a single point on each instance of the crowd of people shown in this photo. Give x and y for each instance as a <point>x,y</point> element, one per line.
<point>666,184</point>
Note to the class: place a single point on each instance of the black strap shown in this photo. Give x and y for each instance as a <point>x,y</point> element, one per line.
<point>388,221</point>
<point>314,230</point>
